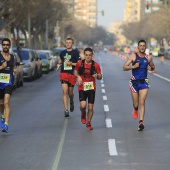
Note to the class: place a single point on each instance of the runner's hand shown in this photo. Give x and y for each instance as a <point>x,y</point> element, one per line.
<point>136,65</point>
<point>4,64</point>
<point>79,80</point>
<point>95,76</point>
<point>68,62</point>
<point>58,66</point>
<point>15,70</point>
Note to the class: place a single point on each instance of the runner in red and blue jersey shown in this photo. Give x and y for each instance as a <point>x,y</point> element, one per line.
<point>139,63</point>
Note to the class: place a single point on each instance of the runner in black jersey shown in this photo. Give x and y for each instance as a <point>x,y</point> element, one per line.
<point>68,60</point>
<point>7,67</point>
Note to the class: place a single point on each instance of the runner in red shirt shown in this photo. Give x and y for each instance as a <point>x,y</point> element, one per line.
<point>87,71</point>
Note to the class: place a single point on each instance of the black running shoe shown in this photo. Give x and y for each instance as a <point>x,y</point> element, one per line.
<point>71,106</point>
<point>66,114</point>
<point>141,126</point>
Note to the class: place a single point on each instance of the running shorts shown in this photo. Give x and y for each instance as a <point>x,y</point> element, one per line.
<point>68,78</point>
<point>89,94</point>
<point>136,85</point>
<point>6,90</point>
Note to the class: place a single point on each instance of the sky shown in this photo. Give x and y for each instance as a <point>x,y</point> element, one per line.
<point>113,10</point>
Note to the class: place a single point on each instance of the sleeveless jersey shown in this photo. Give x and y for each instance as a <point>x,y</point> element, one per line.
<point>140,73</point>
<point>8,71</point>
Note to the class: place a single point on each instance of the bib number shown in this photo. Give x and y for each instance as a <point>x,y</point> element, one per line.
<point>4,78</point>
<point>88,86</point>
<point>66,67</point>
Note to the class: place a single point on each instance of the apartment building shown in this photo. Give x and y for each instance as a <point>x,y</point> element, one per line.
<point>133,11</point>
<point>83,10</point>
<point>86,11</point>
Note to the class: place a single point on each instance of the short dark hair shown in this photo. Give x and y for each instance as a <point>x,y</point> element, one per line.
<point>88,49</point>
<point>141,42</point>
<point>6,39</point>
<point>70,39</point>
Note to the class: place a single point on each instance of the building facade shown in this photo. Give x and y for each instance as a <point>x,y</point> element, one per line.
<point>133,11</point>
<point>86,11</point>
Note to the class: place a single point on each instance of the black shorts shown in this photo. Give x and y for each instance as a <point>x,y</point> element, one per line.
<point>7,90</point>
<point>90,94</point>
<point>66,82</point>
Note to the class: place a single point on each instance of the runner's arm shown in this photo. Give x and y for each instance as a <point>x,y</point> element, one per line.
<point>79,79</point>
<point>127,66</point>
<point>15,70</point>
<point>99,76</point>
<point>151,64</point>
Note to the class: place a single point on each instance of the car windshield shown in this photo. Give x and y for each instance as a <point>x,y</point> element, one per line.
<point>24,55</point>
<point>42,55</point>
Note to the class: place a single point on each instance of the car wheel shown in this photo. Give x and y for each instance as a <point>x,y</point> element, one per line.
<point>21,83</point>
<point>18,84</point>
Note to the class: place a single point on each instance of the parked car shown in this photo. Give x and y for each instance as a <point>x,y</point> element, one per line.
<point>30,65</point>
<point>167,53</point>
<point>45,58</point>
<point>18,78</point>
<point>52,63</point>
<point>59,49</point>
<point>38,63</point>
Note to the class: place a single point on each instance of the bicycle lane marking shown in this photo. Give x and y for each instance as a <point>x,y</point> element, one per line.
<point>164,78</point>
<point>60,146</point>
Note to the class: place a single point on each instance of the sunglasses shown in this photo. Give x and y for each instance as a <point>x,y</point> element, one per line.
<point>6,45</point>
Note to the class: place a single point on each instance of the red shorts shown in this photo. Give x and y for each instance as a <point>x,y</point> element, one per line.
<point>68,77</point>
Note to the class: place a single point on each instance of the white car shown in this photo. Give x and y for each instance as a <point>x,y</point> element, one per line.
<point>52,63</point>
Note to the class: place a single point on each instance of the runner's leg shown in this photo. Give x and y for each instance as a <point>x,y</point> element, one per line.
<point>135,99</point>
<point>65,95</point>
<point>71,94</point>
<point>7,108</point>
<point>142,97</point>
<point>90,112</point>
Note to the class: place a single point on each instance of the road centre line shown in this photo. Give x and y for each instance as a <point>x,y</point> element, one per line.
<point>102,85</point>
<point>60,146</point>
<point>104,97</point>
<point>103,91</point>
<point>102,81</point>
<point>108,123</point>
<point>106,108</point>
<point>112,147</point>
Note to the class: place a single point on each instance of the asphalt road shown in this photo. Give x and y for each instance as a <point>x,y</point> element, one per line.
<point>40,138</point>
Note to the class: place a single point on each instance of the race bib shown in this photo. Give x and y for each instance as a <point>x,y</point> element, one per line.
<point>88,86</point>
<point>67,67</point>
<point>4,78</point>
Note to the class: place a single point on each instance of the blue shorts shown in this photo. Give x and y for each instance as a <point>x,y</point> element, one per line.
<point>136,85</point>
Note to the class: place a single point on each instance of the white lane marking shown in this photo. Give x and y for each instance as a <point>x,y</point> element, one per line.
<point>103,91</point>
<point>102,81</point>
<point>112,147</point>
<point>164,78</point>
<point>60,146</point>
<point>102,85</point>
<point>106,108</point>
<point>104,97</point>
<point>108,123</point>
